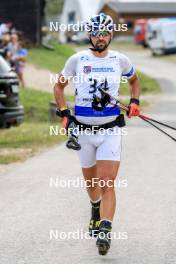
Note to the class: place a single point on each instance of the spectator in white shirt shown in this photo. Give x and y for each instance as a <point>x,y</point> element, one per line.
<point>5,28</point>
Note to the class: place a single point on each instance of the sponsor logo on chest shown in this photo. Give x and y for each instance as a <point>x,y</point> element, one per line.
<point>88,69</point>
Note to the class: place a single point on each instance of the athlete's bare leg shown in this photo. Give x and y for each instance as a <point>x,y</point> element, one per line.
<point>94,191</point>
<point>107,170</point>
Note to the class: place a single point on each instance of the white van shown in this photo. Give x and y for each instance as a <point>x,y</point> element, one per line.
<point>161,35</point>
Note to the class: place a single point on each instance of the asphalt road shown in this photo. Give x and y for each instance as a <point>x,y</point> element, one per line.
<point>145,222</point>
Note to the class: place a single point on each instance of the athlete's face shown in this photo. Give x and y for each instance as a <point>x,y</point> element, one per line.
<point>101,42</point>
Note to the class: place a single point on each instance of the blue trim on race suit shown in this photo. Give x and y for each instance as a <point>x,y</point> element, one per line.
<point>130,73</point>
<point>89,111</point>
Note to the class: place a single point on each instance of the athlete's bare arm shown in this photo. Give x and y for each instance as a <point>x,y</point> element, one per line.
<point>59,91</point>
<point>134,86</point>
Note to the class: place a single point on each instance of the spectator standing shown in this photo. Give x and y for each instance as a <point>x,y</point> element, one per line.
<point>18,56</point>
<point>13,45</point>
<point>20,60</point>
<point>5,28</point>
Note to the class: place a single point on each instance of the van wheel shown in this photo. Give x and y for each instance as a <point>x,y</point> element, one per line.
<point>158,52</point>
<point>8,125</point>
<point>4,126</point>
<point>145,45</point>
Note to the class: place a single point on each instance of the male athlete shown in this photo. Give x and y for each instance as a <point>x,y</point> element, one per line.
<point>98,67</point>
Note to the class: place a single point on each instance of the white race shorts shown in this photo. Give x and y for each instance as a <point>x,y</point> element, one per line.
<point>100,146</point>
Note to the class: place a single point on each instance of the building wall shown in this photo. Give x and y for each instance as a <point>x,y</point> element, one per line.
<point>70,6</point>
<point>130,19</point>
<point>26,16</point>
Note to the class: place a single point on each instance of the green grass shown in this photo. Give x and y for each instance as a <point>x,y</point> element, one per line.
<point>148,85</point>
<point>29,135</point>
<point>6,159</point>
<point>51,60</point>
<point>35,104</point>
<point>34,133</point>
<point>70,98</point>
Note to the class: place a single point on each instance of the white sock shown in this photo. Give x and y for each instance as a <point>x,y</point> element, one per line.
<point>94,202</point>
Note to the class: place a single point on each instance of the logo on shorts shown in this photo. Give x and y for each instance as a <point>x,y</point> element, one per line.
<point>87,69</point>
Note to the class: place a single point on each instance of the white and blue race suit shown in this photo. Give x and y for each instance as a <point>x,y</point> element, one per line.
<point>89,72</point>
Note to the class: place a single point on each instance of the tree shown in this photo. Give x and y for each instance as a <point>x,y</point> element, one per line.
<point>54,7</point>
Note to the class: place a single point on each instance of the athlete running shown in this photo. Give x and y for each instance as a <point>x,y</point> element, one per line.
<point>95,68</point>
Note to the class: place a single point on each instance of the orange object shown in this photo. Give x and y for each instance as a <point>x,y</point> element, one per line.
<point>65,122</point>
<point>134,110</point>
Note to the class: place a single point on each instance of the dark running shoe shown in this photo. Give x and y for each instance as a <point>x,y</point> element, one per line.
<point>104,237</point>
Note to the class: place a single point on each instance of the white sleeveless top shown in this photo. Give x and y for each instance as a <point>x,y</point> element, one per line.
<point>88,73</point>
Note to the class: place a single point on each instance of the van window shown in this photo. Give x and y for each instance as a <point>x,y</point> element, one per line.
<point>71,17</point>
<point>154,34</point>
<point>137,29</point>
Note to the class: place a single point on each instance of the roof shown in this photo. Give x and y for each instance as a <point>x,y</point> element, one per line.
<point>145,6</point>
